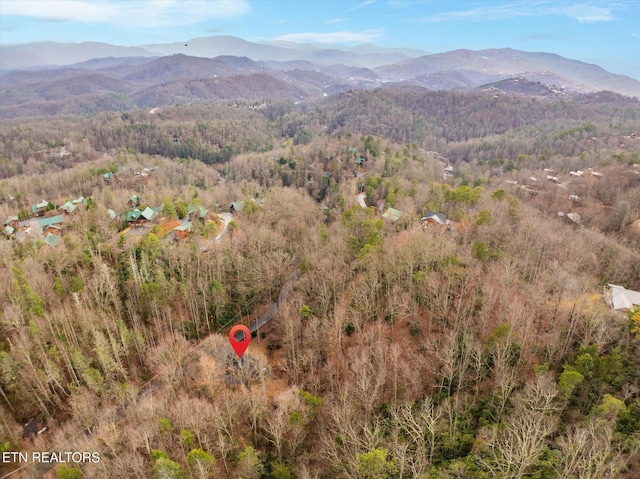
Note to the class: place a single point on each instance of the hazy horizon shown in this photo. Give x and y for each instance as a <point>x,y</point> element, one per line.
<point>604,33</point>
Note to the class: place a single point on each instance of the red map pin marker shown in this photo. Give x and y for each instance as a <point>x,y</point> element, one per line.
<point>239,337</point>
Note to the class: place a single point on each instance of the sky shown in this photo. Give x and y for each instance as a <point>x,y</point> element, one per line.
<point>602,32</point>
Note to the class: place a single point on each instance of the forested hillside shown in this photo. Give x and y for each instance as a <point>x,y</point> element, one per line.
<point>389,345</point>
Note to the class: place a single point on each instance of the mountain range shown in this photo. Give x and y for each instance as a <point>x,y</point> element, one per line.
<point>52,78</point>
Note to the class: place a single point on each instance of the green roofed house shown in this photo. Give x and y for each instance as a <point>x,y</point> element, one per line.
<point>52,240</point>
<point>132,216</point>
<point>361,161</point>
<point>392,214</point>
<point>236,207</point>
<point>133,202</point>
<point>39,208</point>
<point>12,221</point>
<point>8,230</point>
<point>112,214</point>
<point>52,221</point>
<point>181,232</point>
<point>197,213</point>
<point>108,177</point>
<point>68,208</point>
<point>80,200</point>
<point>149,214</point>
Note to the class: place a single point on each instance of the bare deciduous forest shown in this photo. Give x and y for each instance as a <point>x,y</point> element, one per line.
<point>399,348</point>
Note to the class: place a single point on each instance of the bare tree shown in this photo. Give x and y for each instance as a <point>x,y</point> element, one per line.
<point>419,427</point>
<point>512,449</point>
<point>588,452</point>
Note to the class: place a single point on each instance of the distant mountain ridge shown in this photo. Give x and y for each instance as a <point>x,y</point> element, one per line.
<point>136,77</point>
<point>41,54</point>
<point>505,63</point>
<point>50,53</point>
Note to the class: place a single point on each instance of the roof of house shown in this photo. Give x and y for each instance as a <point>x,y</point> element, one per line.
<point>52,240</point>
<point>112,214</point>
<point>80,199</point>
<point>52,220</point>
<point>237,205</point>
<point>392,214</point>
<point>38,206</point>
<point>10,219</point>
<point>200,210</point>
<point>69,207</point>
<point>621,298</point>
<point>437,217</point>
<point>149,214</point>
<point>132,215</point>
<point>8,230</point>
<point>184,227</point>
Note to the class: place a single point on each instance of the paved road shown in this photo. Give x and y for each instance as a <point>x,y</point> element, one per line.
<point>361,202</point>
<point>226,219</point>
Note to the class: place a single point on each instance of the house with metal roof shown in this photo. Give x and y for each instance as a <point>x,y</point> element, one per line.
<point>431,218</point>
<point>621,298</point>
<point>236,207</point>
<point>133,202</point>
<point>132,216</point>
<point>52,239</point>
<point>197,213</point>
<point>392,214</point>
<point>12,221</point>
<point>182,232</point>
<point>39,209</point>
<point>52,221</point>
<point>149,214</point>
<point>68,208</point>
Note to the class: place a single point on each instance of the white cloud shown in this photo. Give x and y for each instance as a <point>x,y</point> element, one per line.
<point>61,10</point>
<point>337,20</point>
<point>143,13</point>
<point>583,12</point>
<point>344,36</point>
<point>360,5</point>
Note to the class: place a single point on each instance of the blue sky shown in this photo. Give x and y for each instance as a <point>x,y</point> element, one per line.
<point>604,32</point>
